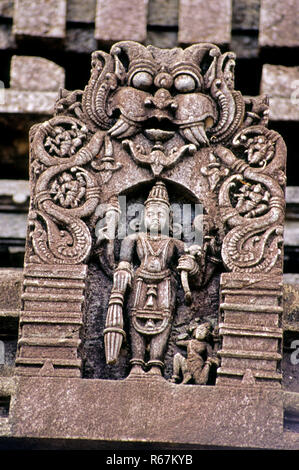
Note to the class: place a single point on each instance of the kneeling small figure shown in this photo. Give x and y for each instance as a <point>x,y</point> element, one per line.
<point>200,357</point>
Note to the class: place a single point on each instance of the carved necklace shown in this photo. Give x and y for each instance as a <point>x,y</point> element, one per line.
<point>161,247</point>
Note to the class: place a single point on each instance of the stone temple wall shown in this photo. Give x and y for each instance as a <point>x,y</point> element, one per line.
<point>45,45</point>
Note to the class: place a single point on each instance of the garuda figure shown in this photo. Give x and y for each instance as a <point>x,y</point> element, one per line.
<point>200,356</point>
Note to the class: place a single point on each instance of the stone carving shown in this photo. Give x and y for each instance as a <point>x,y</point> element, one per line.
<point>214,171</point>
<point>105,231</point>
<point>168,123</point>
<point>153,286</point>
<point>188,110</point>
<point>200,356</point>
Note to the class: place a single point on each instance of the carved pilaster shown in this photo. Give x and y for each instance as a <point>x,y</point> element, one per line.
<point>250,326</point>
<point>51,320</point>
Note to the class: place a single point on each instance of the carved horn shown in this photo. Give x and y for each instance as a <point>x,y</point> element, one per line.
<point>102,81</point>
<point>221,90</point>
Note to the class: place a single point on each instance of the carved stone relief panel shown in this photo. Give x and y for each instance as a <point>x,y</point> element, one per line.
<point>117,281</point>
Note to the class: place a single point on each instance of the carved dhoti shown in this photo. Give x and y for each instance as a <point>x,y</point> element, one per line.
<point>150,313</point>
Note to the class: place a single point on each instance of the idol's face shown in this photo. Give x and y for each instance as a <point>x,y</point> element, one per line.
<point>156,217</point>
<point>201,332</point>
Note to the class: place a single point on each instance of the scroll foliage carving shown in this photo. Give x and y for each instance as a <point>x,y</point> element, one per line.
<point>65,192</point>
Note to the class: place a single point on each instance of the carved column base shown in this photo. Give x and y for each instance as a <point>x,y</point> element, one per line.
<point>50,321</point>
<point>250,326</point>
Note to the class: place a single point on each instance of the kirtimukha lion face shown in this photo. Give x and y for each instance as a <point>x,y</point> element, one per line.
<point>160,93</point>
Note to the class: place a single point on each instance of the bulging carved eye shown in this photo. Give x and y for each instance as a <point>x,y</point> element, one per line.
<point>142,80</point>
<point>184,83</point>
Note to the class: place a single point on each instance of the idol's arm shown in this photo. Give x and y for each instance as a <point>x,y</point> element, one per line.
<point>187,266</point>
<point>114,333</point>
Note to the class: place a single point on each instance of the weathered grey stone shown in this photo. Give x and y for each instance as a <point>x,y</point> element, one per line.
<point>245,14</point>
<point>279,24</point>
<point>147,76</point>
<point>7,40</point>
<point>245,417</point>
<point>163,13</point>
<point>281,84</point>
<point>291,402</point>
<point>119,20</point>
<point>112,138</point>
<point>291,278</point>
<point>10,290</point>
<point>35,74</point>
<point>205,21</point>
<point>292,208</point>
<point>6,8</point>
<point>81,12</point>
<point>283,109</point>
<point>18,190</point>
<point>291,234</point>
<point>80,40</point>
<point>280,81</point>
<point>34,102</point>
<point>43,18</point>
<point>245,47</point>
<point>163,39</point>
<point>11,279</point>
<point>291,302</point>
<point>13,225</point>
<point>292,194</point>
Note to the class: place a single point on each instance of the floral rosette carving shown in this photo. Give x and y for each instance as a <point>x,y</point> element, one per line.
<point>65,191</point>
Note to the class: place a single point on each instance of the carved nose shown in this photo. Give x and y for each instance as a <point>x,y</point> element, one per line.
<point>162,99</point>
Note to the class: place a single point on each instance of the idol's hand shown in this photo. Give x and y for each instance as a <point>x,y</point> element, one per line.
<point>188,264</point>
<point>122,276</point>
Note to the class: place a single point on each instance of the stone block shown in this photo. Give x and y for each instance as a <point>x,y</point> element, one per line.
<point>70,308</point>
<point>291,302</point>
<point>10,289</point>
<point>279,80</point>
<point>6,8</point>
<point>163,39</point>
<point>81,12</point>
<point>292,194</point>
<point>80,40</point>
<point>291,236</point>
<point>31,102</point>
<point>15,190</point>
<point>283,109</point>
<point>251,314</point>
<point>41,19</point>
<point>50,340</point>
<point>281,84</point>
<point>245,14</point>
<point>201,415</point>
<point>163,13</point>
<point>7,40</point>
<point>13,225</point>
<point>245,47</point>
<point>201,21</point>
<point>118,20</point>
<point>279,24</point>
<point>35,74</point>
